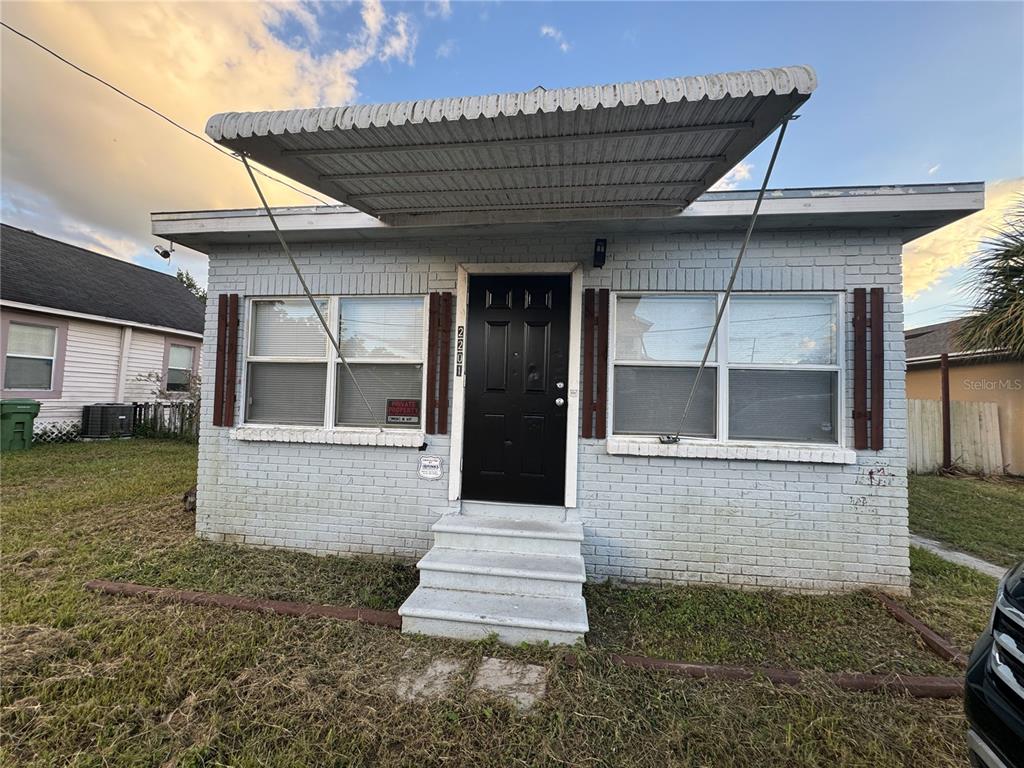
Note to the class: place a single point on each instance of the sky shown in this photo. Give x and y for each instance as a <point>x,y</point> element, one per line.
<point>915,92</point>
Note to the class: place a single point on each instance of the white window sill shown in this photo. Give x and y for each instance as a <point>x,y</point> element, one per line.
<point>828,454</point>
<point>389,438</point>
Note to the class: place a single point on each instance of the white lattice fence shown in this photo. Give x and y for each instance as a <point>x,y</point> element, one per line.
<point>56,431</point>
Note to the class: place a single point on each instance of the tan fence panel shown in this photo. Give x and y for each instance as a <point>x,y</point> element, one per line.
<point>975,427</point>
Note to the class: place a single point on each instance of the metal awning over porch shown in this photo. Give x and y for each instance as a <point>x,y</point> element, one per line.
<point>630,150</point>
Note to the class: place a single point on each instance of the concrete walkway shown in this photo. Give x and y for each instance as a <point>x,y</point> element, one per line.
<point>960,558</point>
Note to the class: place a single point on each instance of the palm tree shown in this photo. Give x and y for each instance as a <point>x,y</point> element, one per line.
<point>996,283</point>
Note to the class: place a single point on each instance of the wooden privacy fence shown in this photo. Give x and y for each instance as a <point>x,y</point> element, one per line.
<point>975,436</point>
<point>177,420</point>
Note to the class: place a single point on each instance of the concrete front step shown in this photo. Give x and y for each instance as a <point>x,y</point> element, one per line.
<point>475,615</point>
<point>497,534</point>
<point>503,572</point>
<point>513,511</point>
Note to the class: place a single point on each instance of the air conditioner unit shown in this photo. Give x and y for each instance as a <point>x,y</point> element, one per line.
<point>107,420</point>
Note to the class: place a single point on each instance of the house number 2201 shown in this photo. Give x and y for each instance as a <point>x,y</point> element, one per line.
<point>460,348</point>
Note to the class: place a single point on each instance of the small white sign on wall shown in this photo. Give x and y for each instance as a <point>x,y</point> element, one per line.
<point>430,468</point>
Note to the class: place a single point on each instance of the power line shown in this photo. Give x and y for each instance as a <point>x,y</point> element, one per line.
<point>309,295</point>
<point>674,438</point>
<point>156,112</point>
<point>951,304</point>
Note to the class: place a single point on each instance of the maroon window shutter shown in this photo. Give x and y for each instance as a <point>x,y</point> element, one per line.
<point>218,378</point>
<point>595,362</point>
<point>860,369</point>
<point>601,401</point>
<point>433,310</point>
<point>445,350</point>
<point>231,360</point>
<point>439,339</point>
<point>868,317</point>
<point>589,325</point>
<point>877,368</point>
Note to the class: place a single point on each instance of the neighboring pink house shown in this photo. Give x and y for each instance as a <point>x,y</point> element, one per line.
<point>80,328</point>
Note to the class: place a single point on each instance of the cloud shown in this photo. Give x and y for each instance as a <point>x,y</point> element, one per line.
<point>731,180</point>
<point>401,44</point>
<point>927,260</point>
<point>442,8</point>
<point>934,169</point>
<point>82,163</point>
<point>446,49</point>
<point>555,34</point>
<point>95,239</point>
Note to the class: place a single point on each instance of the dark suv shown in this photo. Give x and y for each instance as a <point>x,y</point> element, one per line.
<point>994,694</point>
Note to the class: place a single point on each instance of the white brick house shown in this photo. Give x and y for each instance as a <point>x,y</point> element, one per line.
<point>541,470</point>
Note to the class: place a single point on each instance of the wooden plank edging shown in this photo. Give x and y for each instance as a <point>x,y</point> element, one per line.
<point>918,686</point>
<point>929,636</point>
<point>283,607</point>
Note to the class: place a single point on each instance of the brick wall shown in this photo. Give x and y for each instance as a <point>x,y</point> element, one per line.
<point>799,526</point>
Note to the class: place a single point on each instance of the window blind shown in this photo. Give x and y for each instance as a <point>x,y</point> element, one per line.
<point>287,393</point>
<point>180,357</point>
<point>35,340</point>
<point>379,383</point>
<point>789,405</point>
<point>649,400</point>
<point>288,328</point>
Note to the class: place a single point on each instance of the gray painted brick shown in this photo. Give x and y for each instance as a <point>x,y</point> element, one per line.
<point>749,524</point>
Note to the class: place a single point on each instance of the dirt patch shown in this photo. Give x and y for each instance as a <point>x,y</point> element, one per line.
<point>522,684</point>
<point>435,681</point>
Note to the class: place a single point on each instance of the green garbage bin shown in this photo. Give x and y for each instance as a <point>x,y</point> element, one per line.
<point>16,419</point>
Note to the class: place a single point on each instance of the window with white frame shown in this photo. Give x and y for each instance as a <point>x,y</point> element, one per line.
<point>773,373</point>
<point>31,352</point>
<point>295,377</point>
<point>659,341</point>
<point>382,340</point>
<point>180,362</point>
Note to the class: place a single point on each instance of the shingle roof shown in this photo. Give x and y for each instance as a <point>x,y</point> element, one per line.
<point>931,340</point>
<point>50,273</point>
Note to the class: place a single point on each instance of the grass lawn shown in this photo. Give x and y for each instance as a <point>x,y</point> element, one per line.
<point>953,600</point>
<point>984,518</point>
<point>93,680</point>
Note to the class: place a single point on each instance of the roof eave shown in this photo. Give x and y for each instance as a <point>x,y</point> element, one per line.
<point>910,210</point>
<point>982,355</point>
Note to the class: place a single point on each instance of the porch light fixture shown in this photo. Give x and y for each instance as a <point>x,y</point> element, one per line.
<point>600,251</point>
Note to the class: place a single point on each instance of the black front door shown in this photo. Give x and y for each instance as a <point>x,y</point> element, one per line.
<point>517,367</point>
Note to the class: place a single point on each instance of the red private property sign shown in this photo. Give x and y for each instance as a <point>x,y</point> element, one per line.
<point>403,411</point>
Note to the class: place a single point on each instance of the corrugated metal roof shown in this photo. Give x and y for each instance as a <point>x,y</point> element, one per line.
<point>650,147</point>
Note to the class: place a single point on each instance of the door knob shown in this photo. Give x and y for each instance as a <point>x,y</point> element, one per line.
<point>559,401</point>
